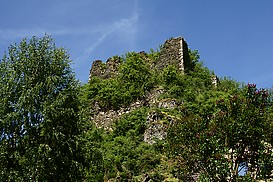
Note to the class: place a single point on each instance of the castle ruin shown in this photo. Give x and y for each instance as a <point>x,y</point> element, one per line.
<point>174,52</point>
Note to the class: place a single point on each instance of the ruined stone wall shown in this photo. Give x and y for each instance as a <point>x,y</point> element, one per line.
<point>157,122</point>
<point>97,69</point>
<point>105,119</point>
<point>105,70</point>
<point>174,52</point>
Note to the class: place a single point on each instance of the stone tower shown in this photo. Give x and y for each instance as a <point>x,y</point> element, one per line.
<point>174,52</point>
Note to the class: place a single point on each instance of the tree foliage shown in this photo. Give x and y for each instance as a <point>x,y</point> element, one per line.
<point>47,132</point>
<point>38,113</point>
<point>237,133</point>
<point>216,129</point>
<point>134,79</point>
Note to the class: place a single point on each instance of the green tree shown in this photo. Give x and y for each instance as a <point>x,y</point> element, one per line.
<point>135,75</point>
<point>237,133</point>
<point>39,117</point>
<point>133,81</point>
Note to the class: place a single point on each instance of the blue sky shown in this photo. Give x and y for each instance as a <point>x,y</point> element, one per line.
<point>234,38</point>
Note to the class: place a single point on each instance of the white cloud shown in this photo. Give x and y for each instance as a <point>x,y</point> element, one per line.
<point>125,28</point>
<point>11,34</point>
<point>92,47</point>
<point>7,34</point>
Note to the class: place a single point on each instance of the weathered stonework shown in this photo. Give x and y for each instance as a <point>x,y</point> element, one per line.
<point>156,129</point>
<point>105,119</point>
<point>97,69</point>
<point>105,70</point>
<point>215,80</point>
<point>157,124</point>
<point>167,103</point>
<point>174,52</point>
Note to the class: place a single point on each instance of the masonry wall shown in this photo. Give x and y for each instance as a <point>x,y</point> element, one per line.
<point>105,70</point>
<point>174,52</point>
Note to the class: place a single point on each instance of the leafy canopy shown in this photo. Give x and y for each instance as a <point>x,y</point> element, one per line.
<point>38,113</point>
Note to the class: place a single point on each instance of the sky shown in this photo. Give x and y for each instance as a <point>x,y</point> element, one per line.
<point>234,37</point>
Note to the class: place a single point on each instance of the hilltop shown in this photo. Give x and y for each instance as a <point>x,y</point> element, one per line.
<point>167,105</point>
<point>143,116</point>
<point>174,54</point>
